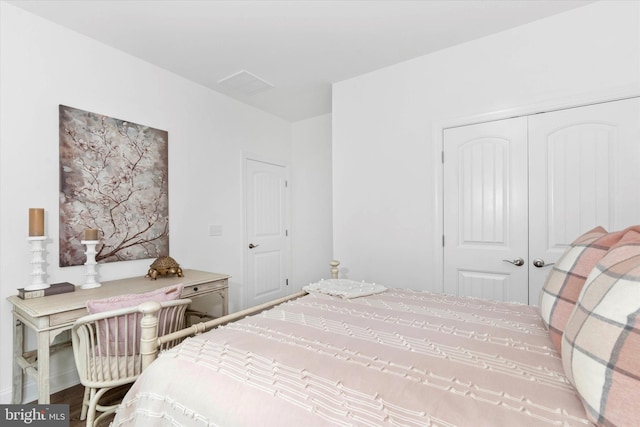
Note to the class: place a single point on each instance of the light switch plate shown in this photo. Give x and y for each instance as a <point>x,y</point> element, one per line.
<point>215,230</point>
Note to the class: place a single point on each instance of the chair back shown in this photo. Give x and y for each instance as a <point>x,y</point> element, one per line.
<point>106,346</point>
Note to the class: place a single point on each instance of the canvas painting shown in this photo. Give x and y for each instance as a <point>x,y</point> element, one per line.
<point>113,177</point>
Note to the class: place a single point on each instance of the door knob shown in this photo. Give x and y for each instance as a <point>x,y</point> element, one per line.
<point>539,262</point>
<point>516,261</point>
<point>251,246</point>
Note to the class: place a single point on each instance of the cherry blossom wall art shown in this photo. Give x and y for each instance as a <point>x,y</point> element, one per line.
<point>113,178</point>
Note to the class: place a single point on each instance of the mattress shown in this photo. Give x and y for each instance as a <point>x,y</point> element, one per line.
<point>400,357</point>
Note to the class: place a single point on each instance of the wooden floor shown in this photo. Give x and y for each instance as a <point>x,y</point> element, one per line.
<point>73,397</point>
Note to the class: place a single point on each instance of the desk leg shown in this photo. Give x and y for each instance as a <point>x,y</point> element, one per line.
<point>225,301</point>
<point>43,367</point>
<point>18,349</point>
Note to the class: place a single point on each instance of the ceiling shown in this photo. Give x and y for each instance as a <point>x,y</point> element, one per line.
<point>288,53</point>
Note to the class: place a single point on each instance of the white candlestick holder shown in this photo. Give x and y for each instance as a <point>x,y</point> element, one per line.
<point>37,264</point>
<point>91,264</point>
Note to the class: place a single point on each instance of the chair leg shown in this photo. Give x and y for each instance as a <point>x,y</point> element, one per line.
<point>94,406</point>
<point>91,409</point>
<point>85,403</point>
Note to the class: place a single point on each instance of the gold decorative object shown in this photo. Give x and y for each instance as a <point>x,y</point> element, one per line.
<point>164,266</point>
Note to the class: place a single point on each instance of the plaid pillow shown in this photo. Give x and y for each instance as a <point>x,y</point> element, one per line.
<point>566,278</point>
<point>601,343</point>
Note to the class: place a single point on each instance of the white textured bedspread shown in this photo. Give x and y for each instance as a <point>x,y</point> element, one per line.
<point>400,357</point>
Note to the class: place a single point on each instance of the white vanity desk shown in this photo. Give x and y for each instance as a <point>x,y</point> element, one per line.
<point>49,316</point>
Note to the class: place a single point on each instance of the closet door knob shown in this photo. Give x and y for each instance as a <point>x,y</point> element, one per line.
<point>538,262</point>
<point>516,261</point>
<point>251,246</point>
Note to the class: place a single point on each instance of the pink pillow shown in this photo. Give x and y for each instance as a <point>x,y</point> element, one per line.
<point>169,293</point>
<point>113,339</point>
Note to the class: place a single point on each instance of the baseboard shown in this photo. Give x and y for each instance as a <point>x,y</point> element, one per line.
<point>5,396</point>
<point>61,381</point>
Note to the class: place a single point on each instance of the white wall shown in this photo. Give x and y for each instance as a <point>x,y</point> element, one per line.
<point>387,124</point>
<point>43,65</point>
<point>312,244</point>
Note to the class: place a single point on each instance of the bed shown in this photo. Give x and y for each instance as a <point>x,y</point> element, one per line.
<point>390,357</point>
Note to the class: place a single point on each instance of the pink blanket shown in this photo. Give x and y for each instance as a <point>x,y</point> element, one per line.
<point>400,357</point>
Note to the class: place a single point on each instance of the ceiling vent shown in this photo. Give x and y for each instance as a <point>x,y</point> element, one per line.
<point>245,83</point>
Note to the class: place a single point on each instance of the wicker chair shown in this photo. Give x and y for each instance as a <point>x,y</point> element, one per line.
<point>106,348</point>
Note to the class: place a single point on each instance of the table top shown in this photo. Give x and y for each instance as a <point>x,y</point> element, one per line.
<point>45,306</point>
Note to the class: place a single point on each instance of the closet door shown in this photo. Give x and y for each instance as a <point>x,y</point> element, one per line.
<point>584,171</point>
<point>485,210</point>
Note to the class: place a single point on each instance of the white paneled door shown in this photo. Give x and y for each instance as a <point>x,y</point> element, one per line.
<point>525,188</point>
<point>485,218</point>
<point>584,172</point>
<point>267,245</point>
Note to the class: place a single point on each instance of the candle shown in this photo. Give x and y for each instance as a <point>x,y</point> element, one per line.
<point>36,221</point>
<point>91,234</point>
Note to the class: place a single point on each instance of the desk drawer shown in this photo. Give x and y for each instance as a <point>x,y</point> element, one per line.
<point>67,316</point>
<point>204,288</point>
